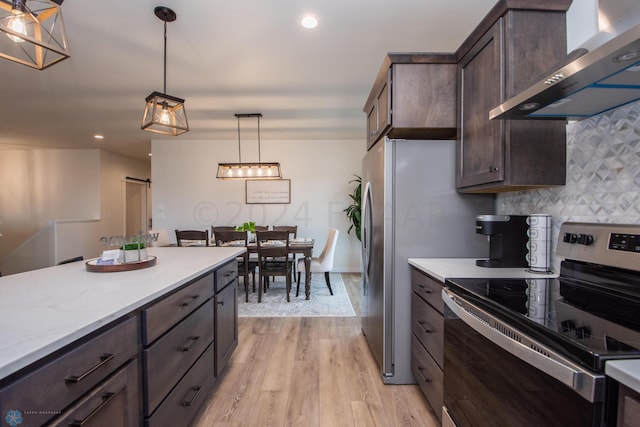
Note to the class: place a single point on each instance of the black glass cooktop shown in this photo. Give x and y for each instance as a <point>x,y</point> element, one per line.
<point>589,321</point>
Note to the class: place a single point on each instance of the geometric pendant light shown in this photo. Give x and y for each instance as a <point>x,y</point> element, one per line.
<point>32,32</point>
<point>164,113</point>
<point>252,170</point>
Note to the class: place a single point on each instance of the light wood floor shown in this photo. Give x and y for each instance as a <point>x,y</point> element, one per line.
<point>315,372</point>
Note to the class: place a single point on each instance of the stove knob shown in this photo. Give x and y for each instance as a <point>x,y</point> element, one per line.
<point>585,239</point>
<point>583,332</point>
<point>570,238</point>
<point>567,325</point>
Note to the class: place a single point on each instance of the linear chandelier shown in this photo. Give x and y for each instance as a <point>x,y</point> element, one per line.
<point>242,170</point>
<point>164,113</point>
<point>33,34</point>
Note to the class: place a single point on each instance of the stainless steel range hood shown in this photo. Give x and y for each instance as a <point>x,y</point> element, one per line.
<point>600,80</point>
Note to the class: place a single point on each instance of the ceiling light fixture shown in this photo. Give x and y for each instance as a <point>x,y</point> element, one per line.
<point>241,170</point>
<point>309,21</point>
<point>164,113</point>
<point>35,34</point>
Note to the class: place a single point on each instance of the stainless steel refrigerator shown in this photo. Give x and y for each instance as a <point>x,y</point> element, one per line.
<point>410,210</point>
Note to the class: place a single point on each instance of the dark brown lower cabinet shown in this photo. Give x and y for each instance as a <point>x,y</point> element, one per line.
<point>113,403</point>
<point>226,324</point>
<point>186,398</point>
<point>427,341</point>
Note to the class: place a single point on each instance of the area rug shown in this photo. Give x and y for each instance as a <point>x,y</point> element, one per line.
<point>321,303</point>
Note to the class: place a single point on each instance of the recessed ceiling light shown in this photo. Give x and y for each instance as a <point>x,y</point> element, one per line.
<point>98,136</point>
<point>309,21</point>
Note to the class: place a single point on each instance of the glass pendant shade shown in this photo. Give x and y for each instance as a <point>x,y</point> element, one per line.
<point>165,114</point>
<point>249,171</point>
<point>32,32</point>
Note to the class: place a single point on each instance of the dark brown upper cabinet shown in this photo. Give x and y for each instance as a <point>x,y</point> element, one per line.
<point>413,97</point>
<point>512,45</point>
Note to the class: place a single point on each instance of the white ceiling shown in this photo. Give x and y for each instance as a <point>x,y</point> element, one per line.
<point>222,58</point>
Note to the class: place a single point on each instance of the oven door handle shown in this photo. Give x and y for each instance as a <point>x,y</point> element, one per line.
<point>582,381</point>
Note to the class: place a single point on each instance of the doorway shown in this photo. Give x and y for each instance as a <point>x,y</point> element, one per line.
<point>137,202</point>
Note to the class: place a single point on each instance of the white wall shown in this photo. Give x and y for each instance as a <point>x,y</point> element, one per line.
<point>43,185</point>
<point>187,195</point>
<point>80,191</point>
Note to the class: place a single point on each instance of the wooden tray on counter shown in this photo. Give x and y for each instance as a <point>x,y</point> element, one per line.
<point>138,265</point>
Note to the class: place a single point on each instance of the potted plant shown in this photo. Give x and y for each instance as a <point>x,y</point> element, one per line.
<point>250,228</point>
<point>354,210</point>
<point>133,252</point>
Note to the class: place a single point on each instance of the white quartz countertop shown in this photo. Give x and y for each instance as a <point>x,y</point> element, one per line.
<point>43,310</point>
<point>626,372</point>
<point>445,268</point>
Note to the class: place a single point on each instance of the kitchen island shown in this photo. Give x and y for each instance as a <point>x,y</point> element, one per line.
<point>53,318</point>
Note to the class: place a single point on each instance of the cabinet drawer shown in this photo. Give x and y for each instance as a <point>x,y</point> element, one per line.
<point>48,390</point>
<point>166,361</point>
<point>226,274</point>
<point>428,375</point>
<point>160,317</point>
<point>179,408</point>
<point>113,403</point>
<point>427,288</point>
<point>428,326</point>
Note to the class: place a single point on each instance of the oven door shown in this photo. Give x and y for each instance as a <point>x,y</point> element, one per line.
<point>495,376</point>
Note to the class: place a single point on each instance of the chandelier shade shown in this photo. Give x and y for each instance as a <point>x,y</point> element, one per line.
<point>256,170</point>
<point>249,170</point>
<point>164,114</point>
<point>32,32</point>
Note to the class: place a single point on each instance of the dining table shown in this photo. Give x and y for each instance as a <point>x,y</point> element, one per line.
<point>298,245</point>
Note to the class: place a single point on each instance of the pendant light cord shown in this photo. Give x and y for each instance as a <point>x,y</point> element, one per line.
<point>239,150</point>
<point>165,56</point>
<point>259,139</point>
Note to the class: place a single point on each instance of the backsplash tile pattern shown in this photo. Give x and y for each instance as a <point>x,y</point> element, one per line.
<point>603,175</point>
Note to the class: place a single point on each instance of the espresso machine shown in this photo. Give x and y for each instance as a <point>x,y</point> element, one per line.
<point>507,240</point>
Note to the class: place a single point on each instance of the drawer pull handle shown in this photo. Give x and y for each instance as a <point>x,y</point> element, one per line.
<point>190,343</point>
<point>229,273</point>
<point>106,397</point>
<point>195,395</point>
<point>426,329</point>
<point>193,297</point>
<point>421,370</point>
<point>220,302</point>
<point>104,359</point>
<point>425,290</point>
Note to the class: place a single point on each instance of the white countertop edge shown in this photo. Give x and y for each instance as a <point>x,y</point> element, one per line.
<point>626,372</point>
<point>9,367</point>
<point>446,268</point>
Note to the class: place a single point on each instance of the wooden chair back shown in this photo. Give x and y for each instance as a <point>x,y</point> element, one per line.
<point>291,229</point>
<point>215,228</point>
<point>192,235</point>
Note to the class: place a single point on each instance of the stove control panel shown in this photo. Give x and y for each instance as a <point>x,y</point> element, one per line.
<point>624,242</point>
<point>617,245</point>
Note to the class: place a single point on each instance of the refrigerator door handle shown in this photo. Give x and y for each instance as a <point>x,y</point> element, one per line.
<point>366,233</point>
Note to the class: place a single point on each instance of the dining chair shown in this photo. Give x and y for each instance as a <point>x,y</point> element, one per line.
<point>323,263</point>
<point>273,259</point>
<point>293,233</point>
<point>215,228</point>
<point>262,227</point>
<point>239,238</point>
<point>192,236</point>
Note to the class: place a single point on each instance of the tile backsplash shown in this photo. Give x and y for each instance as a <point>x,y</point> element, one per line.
<point>603,175</point>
